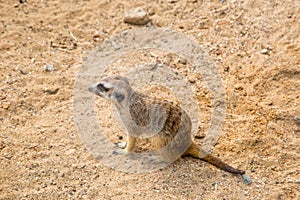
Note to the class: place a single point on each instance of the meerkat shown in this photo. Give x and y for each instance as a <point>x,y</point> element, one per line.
<point>164,122</point>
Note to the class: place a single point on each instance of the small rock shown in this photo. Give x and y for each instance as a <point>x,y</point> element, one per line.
<point>226,69</point>
<point>297,118</point>
<point>192,79</point>
<point>96,37</point>
<point>49,67</point>
<point>136,16</point>
<point>182,61</point>
<point>264,51</point>
<point>5,106</point>
<point>151,11</point>
<point>181,26</point>
<point>149,24</point>
<point>199,136</point>
<point>23,72</point>
<point>8,156</point>
<point>51,91</point>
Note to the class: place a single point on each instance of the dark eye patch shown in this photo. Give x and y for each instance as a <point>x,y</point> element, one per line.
<point>119,96</point>
<point>101,87</point>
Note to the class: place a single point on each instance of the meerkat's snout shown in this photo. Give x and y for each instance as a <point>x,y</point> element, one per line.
<point>114,88</point>
<point>99,89</point>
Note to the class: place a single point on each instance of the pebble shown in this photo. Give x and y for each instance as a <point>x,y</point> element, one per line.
<point>96,37</point>
<point>149,24</point>
<point>51,91</point>
<point>264,51</point>
<point>182,61</point>
<point>23,72</point>
<point>49,67</point>
<point>136,16</point>
<point>8,156</point>
<point>151,11</point>
<point>5,106</point>
<point>297,118</point>
<point>192,79</point>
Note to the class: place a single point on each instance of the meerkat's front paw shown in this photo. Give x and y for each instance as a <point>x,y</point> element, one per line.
<point>121,145</point>
<point>121,151</point>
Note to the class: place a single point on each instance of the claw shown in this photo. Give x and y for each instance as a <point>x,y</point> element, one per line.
<point>121,144</point>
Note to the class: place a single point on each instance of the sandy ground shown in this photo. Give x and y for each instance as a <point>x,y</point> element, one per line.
<point>255,46</point>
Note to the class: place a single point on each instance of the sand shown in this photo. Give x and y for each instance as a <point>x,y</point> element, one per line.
<point>255,47</point>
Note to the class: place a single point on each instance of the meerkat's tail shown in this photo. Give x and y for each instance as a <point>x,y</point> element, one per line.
<point>196,152</point>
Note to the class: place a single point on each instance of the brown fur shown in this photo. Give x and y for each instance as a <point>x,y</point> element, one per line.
<point>195,151</point>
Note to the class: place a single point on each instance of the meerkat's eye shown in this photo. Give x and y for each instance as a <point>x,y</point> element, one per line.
<point>102,88</point>
<point>119,96</point>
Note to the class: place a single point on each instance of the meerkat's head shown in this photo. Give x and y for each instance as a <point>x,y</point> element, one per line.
<point>114,88</point>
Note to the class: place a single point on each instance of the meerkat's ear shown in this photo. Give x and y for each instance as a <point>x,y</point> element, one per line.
<point>118,96</point>
<point>122,78</point>
<point>101,87</point>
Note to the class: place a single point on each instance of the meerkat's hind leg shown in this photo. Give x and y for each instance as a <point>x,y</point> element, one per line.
<point>130,144</point>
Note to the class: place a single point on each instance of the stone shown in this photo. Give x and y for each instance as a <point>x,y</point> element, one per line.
<point>136,16</point>
<point>192,79</point>
<point>264,51</point>
<point>49,68</point>
<point>5,106</point>
<point>182,61</point>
